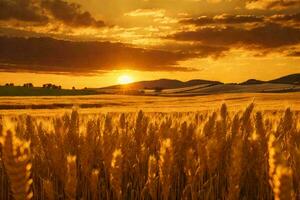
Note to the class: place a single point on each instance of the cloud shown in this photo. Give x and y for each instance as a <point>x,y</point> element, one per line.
<point>158,15</point>
<point>203,51</point>
<point>286,17</point>
<point>222,19</point>
<point>268,35</point>
<point>51,11</point>
<point>272,4</point>
<point>208,1</point>
<point>23,10</point>
<point>70,14</point>
<point>146,13</point>
<point>199,50</point>
<point>242,20</point>
<point>47,55</point>
<point>294,54</point>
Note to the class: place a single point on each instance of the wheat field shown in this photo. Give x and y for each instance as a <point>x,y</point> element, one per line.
<point>243,154</point>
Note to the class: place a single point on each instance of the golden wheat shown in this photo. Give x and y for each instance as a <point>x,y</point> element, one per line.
<point>250,154</point>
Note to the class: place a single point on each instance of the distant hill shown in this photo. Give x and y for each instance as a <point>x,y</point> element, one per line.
<point>293,79</point>
<point>289,79</point>
<point>168,87</point>
<point>252,82</point>
<point>164,84</point>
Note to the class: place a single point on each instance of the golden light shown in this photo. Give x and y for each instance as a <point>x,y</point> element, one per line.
<point>125,79</point>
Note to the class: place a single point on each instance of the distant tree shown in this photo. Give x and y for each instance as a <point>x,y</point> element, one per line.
<point>52,86</point>
<point>48,85</point>
<point>73,88</point>
<point>9,84</point>
<point>28,85</point>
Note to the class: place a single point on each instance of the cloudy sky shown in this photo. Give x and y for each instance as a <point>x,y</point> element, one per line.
<point>90,43</point>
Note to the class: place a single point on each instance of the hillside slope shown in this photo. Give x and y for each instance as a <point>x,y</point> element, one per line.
<point>164,84</point>
<point>289,79</point>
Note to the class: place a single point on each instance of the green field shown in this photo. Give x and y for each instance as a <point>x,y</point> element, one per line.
<point>39,91</point>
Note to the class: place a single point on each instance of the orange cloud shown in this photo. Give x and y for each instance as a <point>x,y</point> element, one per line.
<point>286,17</point>
<point>272,4</point>
<point>267,36</point>
<point>146,13</point>
<point>223,19</point>
<point>58,56</point>
<point>46,11</point>
<point>23,10</point>
<point>70,14</point>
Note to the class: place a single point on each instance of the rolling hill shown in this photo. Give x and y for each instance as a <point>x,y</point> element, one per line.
<point>164,84</point>
<point>289,79</point>
<point>168,87</point>
<point>252,82</point>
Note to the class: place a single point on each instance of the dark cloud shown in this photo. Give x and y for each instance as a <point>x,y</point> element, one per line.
<point>286,17</point>
<point>58,56</point>
<point>70,13</point>
<point>272,4</point>
<point>294,54</point>
<point>223,19</point>
<point>243,20</point>
<point>199,50</point>
<point>228,19</point>
<point>203,51</point>
<point>43,11</point>
<point>199,21</point>
<point>23,10</point>
<point>266,36</point>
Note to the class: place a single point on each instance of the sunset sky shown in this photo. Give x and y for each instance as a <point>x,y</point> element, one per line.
<point>92,43</point>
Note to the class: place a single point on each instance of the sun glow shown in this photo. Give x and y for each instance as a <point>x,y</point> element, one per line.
<point>125,79</point>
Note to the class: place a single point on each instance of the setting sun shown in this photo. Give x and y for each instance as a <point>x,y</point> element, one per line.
<point>125,79</point>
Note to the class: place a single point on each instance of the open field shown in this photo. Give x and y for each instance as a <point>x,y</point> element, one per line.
<point>243,151</point>
<point>121,103</point>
